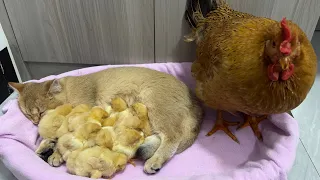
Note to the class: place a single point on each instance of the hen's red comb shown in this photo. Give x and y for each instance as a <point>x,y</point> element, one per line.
<point>285,46</point>
<point>285,30</point>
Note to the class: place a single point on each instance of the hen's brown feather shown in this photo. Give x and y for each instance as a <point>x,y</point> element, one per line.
<point>231,69</point>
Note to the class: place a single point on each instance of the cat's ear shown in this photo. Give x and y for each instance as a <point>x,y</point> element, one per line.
<point>16,86</point>
<point>54,87</point>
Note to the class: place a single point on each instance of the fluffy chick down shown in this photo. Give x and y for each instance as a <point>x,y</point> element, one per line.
<point>97,142</point>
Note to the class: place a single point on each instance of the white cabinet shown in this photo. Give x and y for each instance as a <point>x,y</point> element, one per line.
<point>75,33</point>
<point>170,25</point>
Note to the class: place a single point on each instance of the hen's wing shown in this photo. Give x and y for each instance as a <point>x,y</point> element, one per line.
<point>207,17</point>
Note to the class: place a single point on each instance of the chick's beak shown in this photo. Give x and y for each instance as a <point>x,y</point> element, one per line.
<point>284,63</point>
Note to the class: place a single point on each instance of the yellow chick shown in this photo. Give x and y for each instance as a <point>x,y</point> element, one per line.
<point>51,127</point>
<point>64,109</point>
<point>71,161</point>
<point>96,142</point>
<point>127,141</point>
<point>105,137</point>
<point>80,109</point>
<point>131,125</point>
<point>53,121</point>
<point>67,144</point>
<point>129,129</point>
<point>97,114</point>
<point>85,134</point>
<point>83,137</point>
<point>78,116</point>
<point>141,111</point>
<point>96,162</point>
<point>110,121</point>
<point>117,105</point>
<point>135,117</point>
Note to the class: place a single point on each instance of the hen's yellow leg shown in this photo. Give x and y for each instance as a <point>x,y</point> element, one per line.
<point>253,122</point>
<point>222,124</point>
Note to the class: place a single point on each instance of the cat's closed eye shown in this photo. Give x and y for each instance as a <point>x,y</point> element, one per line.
<point>42,114</point>
<point>28,116</point>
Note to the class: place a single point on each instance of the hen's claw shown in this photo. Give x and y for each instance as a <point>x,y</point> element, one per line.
<point>221,124</point>
<point>253,122</point>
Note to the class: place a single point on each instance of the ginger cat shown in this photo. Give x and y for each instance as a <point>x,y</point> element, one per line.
<point>174,114</point>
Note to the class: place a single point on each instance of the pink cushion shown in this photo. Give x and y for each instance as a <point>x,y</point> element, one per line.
<point>214,157</point>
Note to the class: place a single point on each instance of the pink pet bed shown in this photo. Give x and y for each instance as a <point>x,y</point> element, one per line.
<point>215,157</point>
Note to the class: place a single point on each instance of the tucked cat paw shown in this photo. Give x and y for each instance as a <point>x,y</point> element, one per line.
<point>55,159</point>
<point>153,165</point>
<point>45,145</point>
<point>45,149</point>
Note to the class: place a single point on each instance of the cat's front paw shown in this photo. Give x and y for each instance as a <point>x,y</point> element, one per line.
<point>55,159</point>
<point>45,149</point>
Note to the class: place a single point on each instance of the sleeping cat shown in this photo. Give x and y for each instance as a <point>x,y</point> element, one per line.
<point>174,114</point>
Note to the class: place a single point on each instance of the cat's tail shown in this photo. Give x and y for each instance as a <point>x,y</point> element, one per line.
<point>149,147</point>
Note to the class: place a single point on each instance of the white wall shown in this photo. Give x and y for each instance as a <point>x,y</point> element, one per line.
<point>5,174</point>
<point>3,40</point>
<point>3,44</point>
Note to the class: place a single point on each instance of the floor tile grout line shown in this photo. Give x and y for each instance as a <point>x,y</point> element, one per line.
<point>310,157</point>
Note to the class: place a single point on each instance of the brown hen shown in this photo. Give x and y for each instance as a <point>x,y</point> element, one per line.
<point>253,65</point>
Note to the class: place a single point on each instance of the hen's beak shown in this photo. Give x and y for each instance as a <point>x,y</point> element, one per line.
<point>284,63</point>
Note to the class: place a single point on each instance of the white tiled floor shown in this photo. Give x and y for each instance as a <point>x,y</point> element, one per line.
<point>5,174</point>
<point>307,164</point>
<point>308,116</point>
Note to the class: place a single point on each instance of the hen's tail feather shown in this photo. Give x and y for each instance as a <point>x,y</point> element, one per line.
<point>197,11</point>
<point>196,15</point>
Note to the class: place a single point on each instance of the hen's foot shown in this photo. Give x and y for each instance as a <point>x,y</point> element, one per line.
<point>253,122</point>
<point>222,124</point>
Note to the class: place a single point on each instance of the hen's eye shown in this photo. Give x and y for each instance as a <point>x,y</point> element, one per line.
<point>273,44</point>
